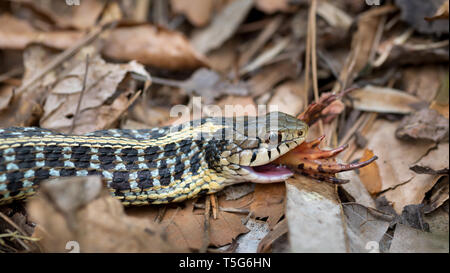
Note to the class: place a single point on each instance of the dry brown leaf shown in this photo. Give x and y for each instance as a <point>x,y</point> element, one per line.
<point>278,230</point>
<point>288,98</point>
<point>362,43</point>
<point>270,75</point>
<point>103,100</point>
<point>198,12</point>
<point>239,105</point>
<point>356,189</point>
<point>154,46</point>
<point>6,94</point>
<point>442,109</point>
<point>439,194</point>
<point>20,33</point>
<point>394,156</point>
<point>269,201</point>
<point>426,124</point>
<point>370,174</point>
<point>334,16</point>
<point>435,162</point>
<point>81,16</point>
<point>25,109</point>
<point>185,227</point>
<point>272,6</point>
<point>411,240</point>
<point>423,81</point>
<point>222,27</point>
<point>383,100</point>
<point>80,212</point>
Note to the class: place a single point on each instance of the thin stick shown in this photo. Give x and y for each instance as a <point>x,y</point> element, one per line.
<point>77,112</point>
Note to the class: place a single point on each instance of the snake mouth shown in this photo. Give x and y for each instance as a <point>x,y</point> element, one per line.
<point>268,173</point>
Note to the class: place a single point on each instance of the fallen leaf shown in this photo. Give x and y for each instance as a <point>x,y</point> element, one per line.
<point>237,106</point>
<point>365,226</point>
<point>186,228</point>
<point>356,189</point>
<point>370,174</point>
<point>411,192</point>
<point>394,156</point>
<point>334,16</point>
<point>80,212</point>
<point>277,232</point>
<point>410,240</point>
<point>272,6</point>
<point>269,201</point>
<point>6,94</point>
<point>270,75</point>
<point>314,216</point>
<point>20,34</point>
<point>198,12</point>
<point>222,27</point>
<point>81,16</point>
<point>103,101</point>
<point>248,242</point>
<point>426,124</point>
<point>288,98</point>
<point>439,195</point>
<point>435,162</point>
<point>153,46</point>
<point>237,191</point>
<point>382,100</point>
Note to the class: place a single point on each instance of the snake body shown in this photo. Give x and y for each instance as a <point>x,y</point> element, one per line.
<point>152,166</point>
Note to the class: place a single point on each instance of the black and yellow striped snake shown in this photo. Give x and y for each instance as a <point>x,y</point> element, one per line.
<point>153,166</point>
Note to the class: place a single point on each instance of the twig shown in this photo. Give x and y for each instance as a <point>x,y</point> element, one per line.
<point>214,205</point>
<point>206,225</point>
<point>77,112</point>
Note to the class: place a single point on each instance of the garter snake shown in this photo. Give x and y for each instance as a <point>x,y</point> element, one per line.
<point>152,166</point>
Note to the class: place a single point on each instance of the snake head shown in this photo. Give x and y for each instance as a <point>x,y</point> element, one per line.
<point>254,143</point>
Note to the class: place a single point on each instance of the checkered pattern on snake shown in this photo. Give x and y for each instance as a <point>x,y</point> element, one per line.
<point>149,166</point>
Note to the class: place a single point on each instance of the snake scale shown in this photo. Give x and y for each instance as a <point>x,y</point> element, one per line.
<point>152,166</point>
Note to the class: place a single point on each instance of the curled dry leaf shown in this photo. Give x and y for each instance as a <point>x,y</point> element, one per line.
<point>198,12</point>
<point>80,210</point>
<point>106,96</point>
<point>439,194</point>
<point>426,124</point>
<point>20,33</point>
<point>382,100</point>
<point>153,46</point>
